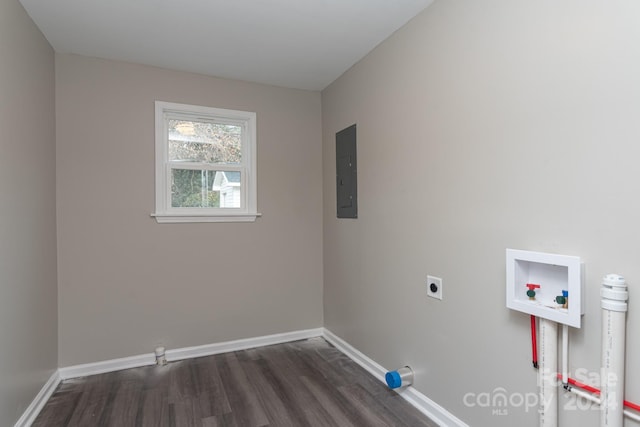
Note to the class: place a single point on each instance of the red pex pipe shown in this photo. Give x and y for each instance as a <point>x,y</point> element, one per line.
<point>534,342</point>
<point>582,385</point>
<point>597,391</point>
<point>632,405</point>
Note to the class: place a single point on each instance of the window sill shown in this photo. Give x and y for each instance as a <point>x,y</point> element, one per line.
<point>185,218</point>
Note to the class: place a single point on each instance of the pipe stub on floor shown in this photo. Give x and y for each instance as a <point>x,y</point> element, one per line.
<point>400,378</point>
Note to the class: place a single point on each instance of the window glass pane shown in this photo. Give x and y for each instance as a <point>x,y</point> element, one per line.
<point>204,142</point>
<point>193,188</point>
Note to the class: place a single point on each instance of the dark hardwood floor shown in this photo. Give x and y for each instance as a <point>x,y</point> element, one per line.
<point>304,383</point>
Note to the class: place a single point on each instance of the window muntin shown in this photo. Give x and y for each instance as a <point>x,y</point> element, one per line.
<point>205,164</point>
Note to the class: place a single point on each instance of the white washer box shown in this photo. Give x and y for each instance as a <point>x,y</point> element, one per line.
<point>554,273</point>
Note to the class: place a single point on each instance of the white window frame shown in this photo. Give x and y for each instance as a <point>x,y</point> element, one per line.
<point>165,213</point>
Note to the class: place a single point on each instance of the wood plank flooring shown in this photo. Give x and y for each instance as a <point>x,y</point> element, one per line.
<point>304,383</point>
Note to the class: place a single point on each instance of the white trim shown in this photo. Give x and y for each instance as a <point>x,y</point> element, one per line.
<point>184,353</point>
<point>425,405</point>
<point>354,354</point>
<point>243,344</point>
<point>175,218</point>
<point>105,366</point>
<point>164,212</point>
<point>32,411</point>
<point>76,371</point>
<point>431,409</point>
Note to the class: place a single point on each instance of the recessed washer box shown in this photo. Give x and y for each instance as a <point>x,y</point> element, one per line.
<point>556,276</point>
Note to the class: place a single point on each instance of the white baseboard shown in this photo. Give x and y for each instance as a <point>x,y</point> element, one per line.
<point>104,366</point>
<point>225,347</point>
<point>32,411</point>
<point>425,405</point>
<point>184,353</point>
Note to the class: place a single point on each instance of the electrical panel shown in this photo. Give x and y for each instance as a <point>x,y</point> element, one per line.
<point>346,173</point>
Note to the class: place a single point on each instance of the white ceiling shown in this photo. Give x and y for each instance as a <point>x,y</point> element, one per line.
<point>303,44</point>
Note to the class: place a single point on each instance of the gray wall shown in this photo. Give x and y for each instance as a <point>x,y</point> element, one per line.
<point>128,284</point>
<point>484,126</point>
<point>28,307</point>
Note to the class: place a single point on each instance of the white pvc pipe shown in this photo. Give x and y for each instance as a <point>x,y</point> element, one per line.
<point>590,397</point>
<point>565,354</point>
<point>583,394</point>
<point>614,307</point>
<point>631,415</point>
<point>547,373</point>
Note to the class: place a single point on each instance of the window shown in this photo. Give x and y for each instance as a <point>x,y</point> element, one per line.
<point>205,164</point>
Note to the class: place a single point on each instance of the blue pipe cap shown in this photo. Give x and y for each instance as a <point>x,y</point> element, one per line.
<point>393,379</point>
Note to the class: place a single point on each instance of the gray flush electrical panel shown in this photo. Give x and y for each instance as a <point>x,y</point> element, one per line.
<point>346,173</point>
